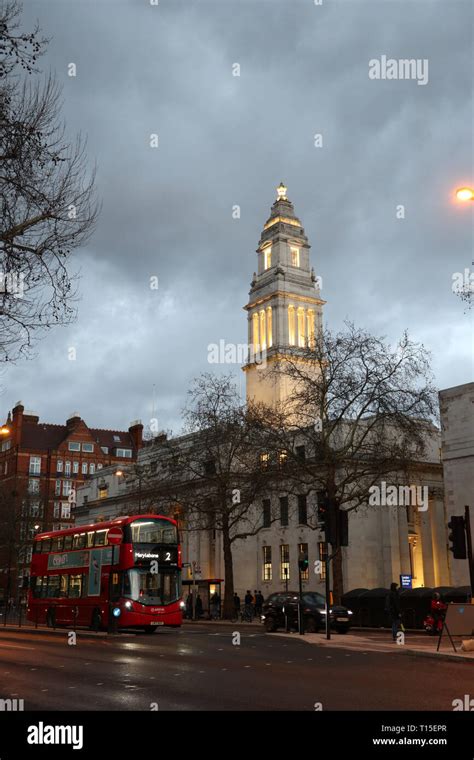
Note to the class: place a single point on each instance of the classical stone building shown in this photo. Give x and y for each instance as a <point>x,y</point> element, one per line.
<point>457,430</point>
<point>284,312</point>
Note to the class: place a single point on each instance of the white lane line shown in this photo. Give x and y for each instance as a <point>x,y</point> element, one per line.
<point>101,683</point>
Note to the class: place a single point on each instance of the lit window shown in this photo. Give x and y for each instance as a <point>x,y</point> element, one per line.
<point>88,447</point>
<point>67,470</point>
<point>301,328</point>
<point>267,257</point>
<point>264,460</point>
<point>103,492</point>
<point>75,467</point>
<point>59,465</point>
<point>256,339</point>
<point>269,327</point>
<point>35,465</point>
<point>291,326</point>
<point>295,256</point>
<point>267,563</point>
<point>74,446</point>
<point>322,559</point>
<point>284,562</point>
<point>282,458</point>
<point>310,327</point>
<point>263,332</point>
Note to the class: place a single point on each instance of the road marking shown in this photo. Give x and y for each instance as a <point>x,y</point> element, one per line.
<point>247,666</point>
<point>101,683</point>
<point>71,687</point>
<point>268,663</point>
<point>44,689</point>
<point>14,646</point>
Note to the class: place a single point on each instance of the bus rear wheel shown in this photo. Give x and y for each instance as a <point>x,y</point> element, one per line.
<point>150,628</point>
<point>96,621</point>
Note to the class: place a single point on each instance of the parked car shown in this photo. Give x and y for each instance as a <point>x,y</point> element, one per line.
<point>280,606</point>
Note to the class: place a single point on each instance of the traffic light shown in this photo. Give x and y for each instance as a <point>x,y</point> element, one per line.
<point>457,537</point>
<point>303,562</point>
<point>343,528</point>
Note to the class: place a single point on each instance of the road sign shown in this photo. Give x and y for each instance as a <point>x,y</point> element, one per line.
<point>406,581</point>
<point>115,535</point>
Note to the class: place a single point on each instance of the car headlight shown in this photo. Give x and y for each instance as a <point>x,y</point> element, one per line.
<point>128,605</point>
<point>349,612</point>
<point>323,612</point>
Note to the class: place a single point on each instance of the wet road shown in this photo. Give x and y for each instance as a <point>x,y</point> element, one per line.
<point>199,668</point>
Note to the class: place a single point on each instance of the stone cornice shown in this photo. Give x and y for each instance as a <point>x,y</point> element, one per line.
<point>286,295</point>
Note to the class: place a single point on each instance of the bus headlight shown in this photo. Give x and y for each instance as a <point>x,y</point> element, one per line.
<point>182,605</point>
<point>128,605</point>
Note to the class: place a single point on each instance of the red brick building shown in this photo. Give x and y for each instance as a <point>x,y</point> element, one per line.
<point>41,465</point>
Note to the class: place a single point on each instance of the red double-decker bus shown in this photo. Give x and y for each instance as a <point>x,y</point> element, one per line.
<point>126,572</point>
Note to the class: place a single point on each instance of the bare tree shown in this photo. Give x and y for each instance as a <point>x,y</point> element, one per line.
<point>360,411</point>
<point>47,199</point>
<point>213,473</point>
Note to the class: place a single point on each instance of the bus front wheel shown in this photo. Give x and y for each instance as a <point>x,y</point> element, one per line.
<point>96,621</point>
<point>150,628</point>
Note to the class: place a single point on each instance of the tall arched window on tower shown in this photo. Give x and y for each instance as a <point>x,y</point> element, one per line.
<point>263,332</point>
<point>310,329</point>
<point>301,328</point>
<point>269,327</point>
<point>291,326</point>
<point>255,335</point>
<point>267,257</point>
<point>295,256</point>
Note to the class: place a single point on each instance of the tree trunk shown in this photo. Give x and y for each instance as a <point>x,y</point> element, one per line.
<point>228,572</point>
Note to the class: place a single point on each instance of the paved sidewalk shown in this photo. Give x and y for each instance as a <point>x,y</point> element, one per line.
<point>373,643</point>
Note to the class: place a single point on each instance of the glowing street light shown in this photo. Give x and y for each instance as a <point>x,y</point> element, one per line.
<point>4,430</point>
<point>465,194</point>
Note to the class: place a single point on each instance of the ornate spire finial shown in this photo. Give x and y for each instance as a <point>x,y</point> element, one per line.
<point>281,192</point>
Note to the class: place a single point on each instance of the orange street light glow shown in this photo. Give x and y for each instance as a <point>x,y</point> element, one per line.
<point>4,430</point>
<point>465,194</point>
<point>119,473</point>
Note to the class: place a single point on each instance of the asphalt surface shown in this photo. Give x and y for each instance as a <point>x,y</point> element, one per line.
<point>200,668</point>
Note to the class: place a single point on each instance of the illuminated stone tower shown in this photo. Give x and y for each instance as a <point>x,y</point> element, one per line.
<point>284,308</point>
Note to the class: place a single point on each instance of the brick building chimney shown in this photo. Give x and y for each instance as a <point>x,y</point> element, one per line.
<point>17,422</point>
<point>136,433</point>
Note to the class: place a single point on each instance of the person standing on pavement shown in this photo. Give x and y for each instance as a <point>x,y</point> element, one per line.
<point>248,604</point>
<point>392,606</point>
<point>258,604</point>
<point>198,607</point>
<point>236,603</point>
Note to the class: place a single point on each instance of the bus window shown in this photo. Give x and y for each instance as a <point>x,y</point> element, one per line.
<point>101,538</point>
<point>45,545</point>
<point>90,538</point>
<point>85,584</point>
<point>67,542</point>
<point>36,586</point>
<point>153,532</point>
<point>75,586</point>
<point>57,544</point>
<point>79,541</point>
<point>37,547</point>
<point>63,586</point>
<point>53,586</point>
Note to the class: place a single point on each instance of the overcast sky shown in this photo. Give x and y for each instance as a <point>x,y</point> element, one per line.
<point>226,140</point>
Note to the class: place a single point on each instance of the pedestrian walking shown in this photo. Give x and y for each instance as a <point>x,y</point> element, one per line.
<point>198,607</point>
<point>236,604</point>
<point>392,607</point>
<point>189,606</point>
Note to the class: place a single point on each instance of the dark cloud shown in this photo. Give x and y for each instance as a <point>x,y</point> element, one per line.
<point>227,140</point>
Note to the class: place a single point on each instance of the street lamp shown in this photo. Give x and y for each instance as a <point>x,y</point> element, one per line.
<point>465,194</point>
<point>4,430</point>
<point>138,473</point>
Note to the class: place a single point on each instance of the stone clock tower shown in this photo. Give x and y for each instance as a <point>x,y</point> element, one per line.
<point>284,308</point>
